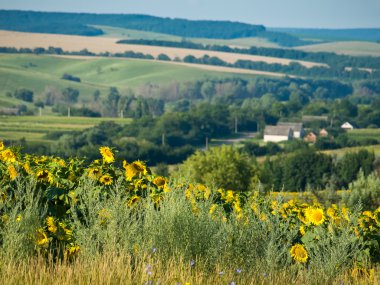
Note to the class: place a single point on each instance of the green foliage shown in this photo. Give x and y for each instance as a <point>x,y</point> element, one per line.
<point>24,94</point>
<point>348,166</point>
<point>222,167</point>
<point>364,191</point>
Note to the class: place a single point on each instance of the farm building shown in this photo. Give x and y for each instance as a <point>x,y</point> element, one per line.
<point>298,130</point>
<point>278,133</point>
<point>347,126</point>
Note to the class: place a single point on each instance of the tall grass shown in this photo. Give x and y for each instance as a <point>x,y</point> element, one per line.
<point>168,243</point>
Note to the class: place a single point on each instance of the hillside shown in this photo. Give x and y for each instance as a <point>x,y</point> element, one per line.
<point>99,45</point>
<point>354,48</point>
<point>80,24</point>
<point>372,35</point>
<point>37,72</point>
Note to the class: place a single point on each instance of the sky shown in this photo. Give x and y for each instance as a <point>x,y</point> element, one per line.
<point>271,13</point>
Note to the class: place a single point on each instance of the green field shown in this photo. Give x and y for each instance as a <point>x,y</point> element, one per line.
<point>36,72</point>
<point>342,151</point>
<point>355,48</point>
<point>362,134</point>
<point>120,33</point>
<point>35,128</point>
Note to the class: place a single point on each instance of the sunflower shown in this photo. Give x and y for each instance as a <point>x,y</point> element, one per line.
<point>134,168</point>
<point>299,253</point>
<point>7,156</point>
<point>41,237</point>
<point>51,225</point>
<point>106,179</point>
<point>107,154</point>
<point>134,199</point>
<point>1,145</point>
<point>45,175</point>
<point>12,172</point>
<point>302,230</point>
<point>94,173</point>
<point>160,182</point>
<point>72,250</point>
<point>315,215</point>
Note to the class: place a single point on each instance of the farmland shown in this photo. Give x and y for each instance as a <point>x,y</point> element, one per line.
<point>121,33</point>
<point>348,48</point>
<point>99,44</point>
<point>35,128</point>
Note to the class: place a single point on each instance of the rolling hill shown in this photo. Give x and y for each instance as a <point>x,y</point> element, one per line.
<point>83,24</point>
<point>99,45</point>
<point>36,72</point>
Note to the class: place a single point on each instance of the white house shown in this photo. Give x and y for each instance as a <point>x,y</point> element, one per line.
<point>298,130</point>
<point>277,133</point>
<point>347,126</point>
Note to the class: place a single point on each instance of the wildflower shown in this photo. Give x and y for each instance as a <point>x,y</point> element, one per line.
<point>238,271</point>
<point>41,237</point>
<point>107,154</point>
<point>315,215</point>
<point>232,283</point>
<point>221,273</point>
<point>192,263</point>
<point>299,253</point>
<point>7,156</point>
<point>106,179</point>
<point>12,172</point>
<point>154,250</point>
<point>1,145</point>
<point>18,218</point>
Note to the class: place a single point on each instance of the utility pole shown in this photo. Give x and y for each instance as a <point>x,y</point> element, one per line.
<point>236,125</point>
<point>163,139</point>
<point>121,114</point>
<point>206,143</point>
<point>40,111</point>
<point>68,112</point>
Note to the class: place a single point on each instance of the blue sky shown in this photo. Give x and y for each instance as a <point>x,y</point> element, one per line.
<point>271,13</point>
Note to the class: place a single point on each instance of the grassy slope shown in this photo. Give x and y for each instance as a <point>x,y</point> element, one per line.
<point>37,72</point>
<point>349,48</point>
<point>121,33</point>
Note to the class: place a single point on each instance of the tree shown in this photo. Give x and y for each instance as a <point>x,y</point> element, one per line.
<point>24,94</point>
<point>222,167</point>
<point>70,95</point>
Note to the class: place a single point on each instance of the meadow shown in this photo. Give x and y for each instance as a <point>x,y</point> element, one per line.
<point>104,222</point>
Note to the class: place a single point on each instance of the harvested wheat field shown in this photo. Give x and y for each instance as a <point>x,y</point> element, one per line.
<point>100,44</point>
